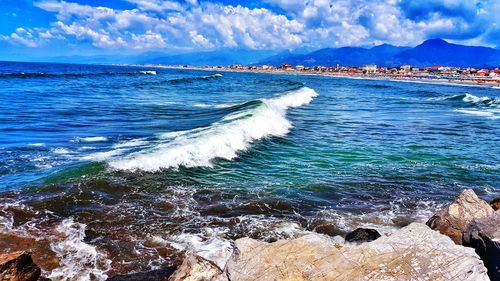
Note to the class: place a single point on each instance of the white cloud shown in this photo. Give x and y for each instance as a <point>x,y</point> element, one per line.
<point>189,24</point>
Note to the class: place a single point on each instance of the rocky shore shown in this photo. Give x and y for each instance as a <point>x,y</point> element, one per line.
<point>459,242</point>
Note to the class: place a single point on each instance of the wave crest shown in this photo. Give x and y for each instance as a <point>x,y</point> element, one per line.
<point>486,101</point>
<point>223,139</point>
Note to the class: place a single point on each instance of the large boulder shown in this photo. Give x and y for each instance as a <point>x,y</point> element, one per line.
<point>454,219</point>
<point>362,235</point>
<point>484,235</point>
<point>413,253</point>
<point>18,266</point>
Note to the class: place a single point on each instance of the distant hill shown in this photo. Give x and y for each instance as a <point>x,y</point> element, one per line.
<point>440,52</point>
<point>430,52</point>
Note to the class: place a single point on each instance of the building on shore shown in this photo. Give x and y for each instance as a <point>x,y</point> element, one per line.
<point>369,69</point>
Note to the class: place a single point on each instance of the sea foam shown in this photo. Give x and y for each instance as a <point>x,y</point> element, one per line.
<point>78,260</point>
<point>223,139</point>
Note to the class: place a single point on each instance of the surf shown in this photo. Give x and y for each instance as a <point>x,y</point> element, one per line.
<point>223,139</point>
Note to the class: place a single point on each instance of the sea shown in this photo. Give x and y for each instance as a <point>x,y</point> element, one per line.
<point>108,170</point>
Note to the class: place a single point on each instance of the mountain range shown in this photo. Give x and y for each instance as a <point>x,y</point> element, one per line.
<point>430,53</point>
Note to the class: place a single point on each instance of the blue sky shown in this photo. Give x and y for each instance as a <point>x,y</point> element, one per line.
<point>90,27</point>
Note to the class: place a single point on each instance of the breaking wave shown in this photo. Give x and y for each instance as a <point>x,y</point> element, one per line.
<point>474,100</point>
<point>252,121</point>
<point>477,106</point>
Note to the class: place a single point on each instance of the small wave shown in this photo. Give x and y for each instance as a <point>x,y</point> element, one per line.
<point>100,156</point>
<point>220,105</point>
<point>38,144</point>
<point>490,114</point>
<point>131,143</point>
<point>61,150</point>
<point>192,79</point>
<point>92,139</point>
<point>78,260</point>
<point>148,72</point>
<point>472,99</point>
<point>223,139</point>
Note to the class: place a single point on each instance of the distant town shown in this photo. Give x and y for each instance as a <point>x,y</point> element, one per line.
<point>485,77</point>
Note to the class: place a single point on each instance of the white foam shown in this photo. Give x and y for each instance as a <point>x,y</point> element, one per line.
<point>36,144</point>
<point>148,72</point>
<point>171,135</point>
<point>92,139</point>
<point>488,113</point>
<point>130,143</point>
<point>61,150</point>
<point>78,260</point>
<point>214,249</point>
<point>220,105</point>
<point>471,98</point>
<point>217,75</point>
<point>100,156</point>
<point>220,140</point>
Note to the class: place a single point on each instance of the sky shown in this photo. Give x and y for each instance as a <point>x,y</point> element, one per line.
<point>92,27</point>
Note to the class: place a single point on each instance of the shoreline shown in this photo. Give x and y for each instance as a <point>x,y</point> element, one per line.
<point>458,240</point>
<point>464,82</point>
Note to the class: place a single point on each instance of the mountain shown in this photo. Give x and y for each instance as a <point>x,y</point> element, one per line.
<point>429,53</point>
<point>440,52</point>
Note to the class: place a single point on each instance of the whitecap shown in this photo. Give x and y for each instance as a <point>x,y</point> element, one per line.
<point>92,139</point>
<point>220,105</point>
<point>490,114</point>
<point>222,139</point>
<point>130,143</point>
<point>61,150</point>
<point>100,156</point>
<point>471,98</point>
<point>148,72</point>
<point>38,144</point>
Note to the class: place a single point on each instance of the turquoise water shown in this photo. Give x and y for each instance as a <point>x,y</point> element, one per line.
<point>137,154</point>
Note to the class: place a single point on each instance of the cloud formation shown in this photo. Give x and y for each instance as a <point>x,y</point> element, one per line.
<point>275,24</point>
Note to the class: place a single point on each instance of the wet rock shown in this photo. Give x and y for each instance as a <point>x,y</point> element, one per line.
<point>196,268</point>
<point>454,219</point>
<point>362,235</point>
<point>495,203</point>
<point>18,266</point>
<point>484,235</point>
<point>151,275</point>
<point>413,253</point>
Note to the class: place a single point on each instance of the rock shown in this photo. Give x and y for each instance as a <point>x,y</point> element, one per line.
<point>413,253</point>
<point>151,275</point>
<point>18,266</point>
<point>495,203</point>
<point>196,268</point>
<point>454,219</point>
<point>484,235</point>
<point>362,235</point>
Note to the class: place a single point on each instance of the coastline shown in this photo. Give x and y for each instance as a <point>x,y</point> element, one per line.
<point>464,82</point>
<point>457,242</point>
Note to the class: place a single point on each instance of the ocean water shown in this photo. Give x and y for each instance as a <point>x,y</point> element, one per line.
<point>113,169</point>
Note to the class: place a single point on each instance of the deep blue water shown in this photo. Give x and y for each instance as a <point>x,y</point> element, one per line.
<point>142,151</point>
